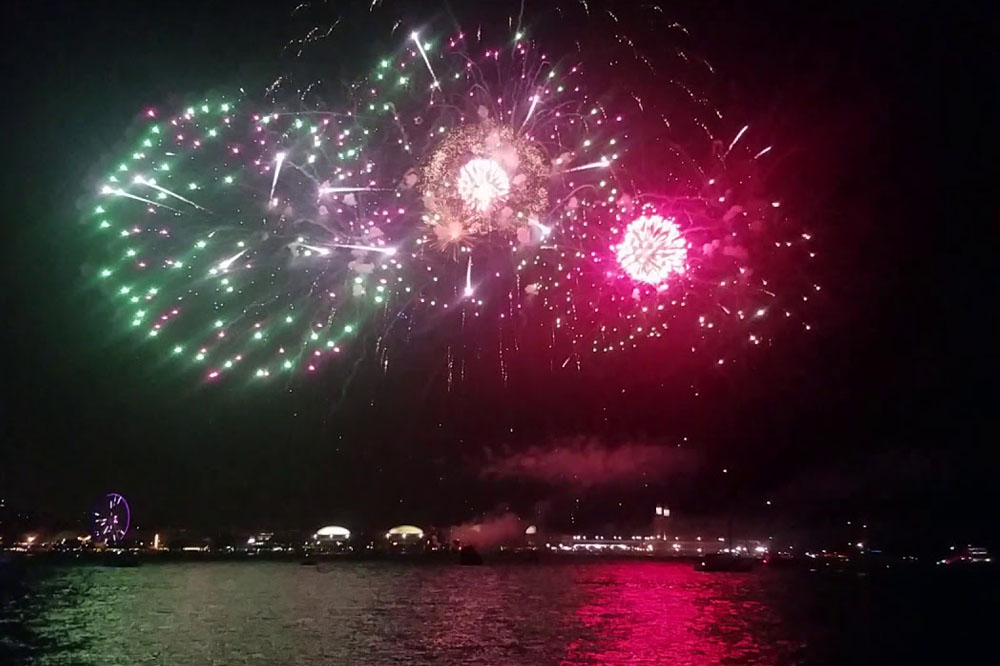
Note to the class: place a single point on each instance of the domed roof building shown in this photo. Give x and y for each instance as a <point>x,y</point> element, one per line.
<point>332,533</point>
<point>405,532</point>
<point>406,539</point>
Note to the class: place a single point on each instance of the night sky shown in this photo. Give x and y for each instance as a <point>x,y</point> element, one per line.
<point>882,413</point>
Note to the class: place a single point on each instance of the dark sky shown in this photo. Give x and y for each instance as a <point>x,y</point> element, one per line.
<point>884,414</point>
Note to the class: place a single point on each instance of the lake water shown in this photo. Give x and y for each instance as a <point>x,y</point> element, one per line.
<point>594,612</point>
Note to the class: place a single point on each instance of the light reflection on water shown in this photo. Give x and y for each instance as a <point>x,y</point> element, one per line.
<point>675,615</point>
<point>396,613</point>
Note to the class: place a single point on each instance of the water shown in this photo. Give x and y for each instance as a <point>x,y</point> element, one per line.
<point>597,612</point>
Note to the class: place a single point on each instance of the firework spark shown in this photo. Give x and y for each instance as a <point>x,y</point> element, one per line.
<point>652,249</point>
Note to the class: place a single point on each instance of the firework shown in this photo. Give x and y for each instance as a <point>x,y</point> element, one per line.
<point>652,249</point>
<point>484,178</point>
<point>269,240</point>
<point>221,242</point>
<point>481,191</point>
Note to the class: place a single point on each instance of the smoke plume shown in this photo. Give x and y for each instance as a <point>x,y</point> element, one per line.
<point>587,463</point>
<point>491,532</point>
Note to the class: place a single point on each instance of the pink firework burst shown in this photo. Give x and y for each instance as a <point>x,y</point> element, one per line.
<point>653,249</point>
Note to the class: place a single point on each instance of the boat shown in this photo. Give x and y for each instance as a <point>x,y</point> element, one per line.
<point>724,562</point>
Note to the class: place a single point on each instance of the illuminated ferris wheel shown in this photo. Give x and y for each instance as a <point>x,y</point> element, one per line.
<point>111,518</point>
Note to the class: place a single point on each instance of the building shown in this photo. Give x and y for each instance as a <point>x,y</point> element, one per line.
<point>331,534</point>
<point>661,521</point>
<point>405,538</point>
<point>329,539</point>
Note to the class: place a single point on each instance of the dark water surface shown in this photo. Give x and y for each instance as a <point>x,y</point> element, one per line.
<point>601,612</point>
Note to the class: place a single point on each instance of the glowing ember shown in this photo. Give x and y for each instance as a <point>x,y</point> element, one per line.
<point>481,182</point>
<point>652,249</point>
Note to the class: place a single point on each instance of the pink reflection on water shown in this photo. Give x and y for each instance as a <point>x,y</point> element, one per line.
<point>670,614</point>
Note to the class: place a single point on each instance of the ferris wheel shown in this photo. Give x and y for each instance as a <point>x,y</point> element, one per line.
<point>110,519</point>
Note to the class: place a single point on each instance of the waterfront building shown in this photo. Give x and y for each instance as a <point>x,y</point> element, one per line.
<point>331,534</point>
<point>405,538</point>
